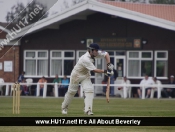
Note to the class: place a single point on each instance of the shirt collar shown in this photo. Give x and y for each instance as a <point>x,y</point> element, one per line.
<point>88,54</point>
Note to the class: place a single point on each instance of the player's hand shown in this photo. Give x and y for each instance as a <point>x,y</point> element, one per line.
<point>108,72</point>
<point>110,66</point>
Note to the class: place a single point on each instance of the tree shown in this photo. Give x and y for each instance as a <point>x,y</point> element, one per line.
<point>30,14</point>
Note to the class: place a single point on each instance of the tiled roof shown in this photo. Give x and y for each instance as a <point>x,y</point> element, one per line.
<point>162,11</point>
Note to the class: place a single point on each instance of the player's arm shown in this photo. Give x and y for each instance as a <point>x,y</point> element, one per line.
<point>99,71</point>
<point>107,58</point>
<point>110,66</point>
<point>104,54</point>
<point>106,72</point>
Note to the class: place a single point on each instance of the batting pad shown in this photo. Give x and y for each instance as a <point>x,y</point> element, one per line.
<point>88,101</point>
<point>67,99</point>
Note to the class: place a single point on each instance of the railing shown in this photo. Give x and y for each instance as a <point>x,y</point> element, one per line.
<point>159,87</point>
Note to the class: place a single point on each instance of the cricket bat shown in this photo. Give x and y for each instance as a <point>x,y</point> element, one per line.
<point>108,90</point>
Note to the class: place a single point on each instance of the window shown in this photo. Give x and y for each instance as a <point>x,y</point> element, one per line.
<point>61,62</point>
<point>36,63</point>
<point>161,64</point>
<point>139,63</point>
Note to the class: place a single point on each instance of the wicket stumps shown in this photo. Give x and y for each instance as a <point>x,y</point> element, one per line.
<point>16,98</point>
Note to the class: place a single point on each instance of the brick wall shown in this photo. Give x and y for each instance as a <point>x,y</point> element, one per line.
<point>2,34</point>
<point>9,53</point>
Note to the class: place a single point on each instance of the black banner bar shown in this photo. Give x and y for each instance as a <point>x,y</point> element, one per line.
<point>87,121</point>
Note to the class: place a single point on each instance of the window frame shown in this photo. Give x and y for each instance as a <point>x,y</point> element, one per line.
<point>140,59</point>
<point>36,58</point>
<point>158,59</point>
<point>60,58</point>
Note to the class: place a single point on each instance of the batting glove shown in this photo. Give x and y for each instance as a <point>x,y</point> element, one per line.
<point>108,72</point>
<point>110,66</point>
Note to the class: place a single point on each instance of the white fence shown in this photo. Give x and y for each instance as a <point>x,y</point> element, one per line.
<point>9,88</point>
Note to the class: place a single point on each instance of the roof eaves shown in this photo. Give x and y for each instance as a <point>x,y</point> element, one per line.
<point>4,29</point>
<point>132,15</point>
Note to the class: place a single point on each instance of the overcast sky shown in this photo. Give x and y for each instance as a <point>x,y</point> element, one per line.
<point>5,6</point>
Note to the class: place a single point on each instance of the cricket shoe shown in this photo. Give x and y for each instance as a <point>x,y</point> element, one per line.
<point>89,112</point>
<point>64,111</point>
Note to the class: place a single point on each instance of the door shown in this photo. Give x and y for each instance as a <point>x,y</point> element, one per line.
<point>120,66</point>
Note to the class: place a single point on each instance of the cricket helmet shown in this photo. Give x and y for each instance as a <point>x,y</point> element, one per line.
<point>94,46</point>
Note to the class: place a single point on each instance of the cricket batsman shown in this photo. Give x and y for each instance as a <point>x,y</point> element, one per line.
<point>81,74</point>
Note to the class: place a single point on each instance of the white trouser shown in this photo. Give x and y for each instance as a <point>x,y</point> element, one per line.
<point>87,86</point>
<point>128,92</point>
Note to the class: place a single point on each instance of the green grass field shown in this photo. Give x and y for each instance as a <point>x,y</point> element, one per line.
<point>51,107</point>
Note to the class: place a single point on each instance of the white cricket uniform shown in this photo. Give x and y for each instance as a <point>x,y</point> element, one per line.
<point>81,74</point>
<point>127,88</point>
<point>159,85</point>
<point>146,82</point>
